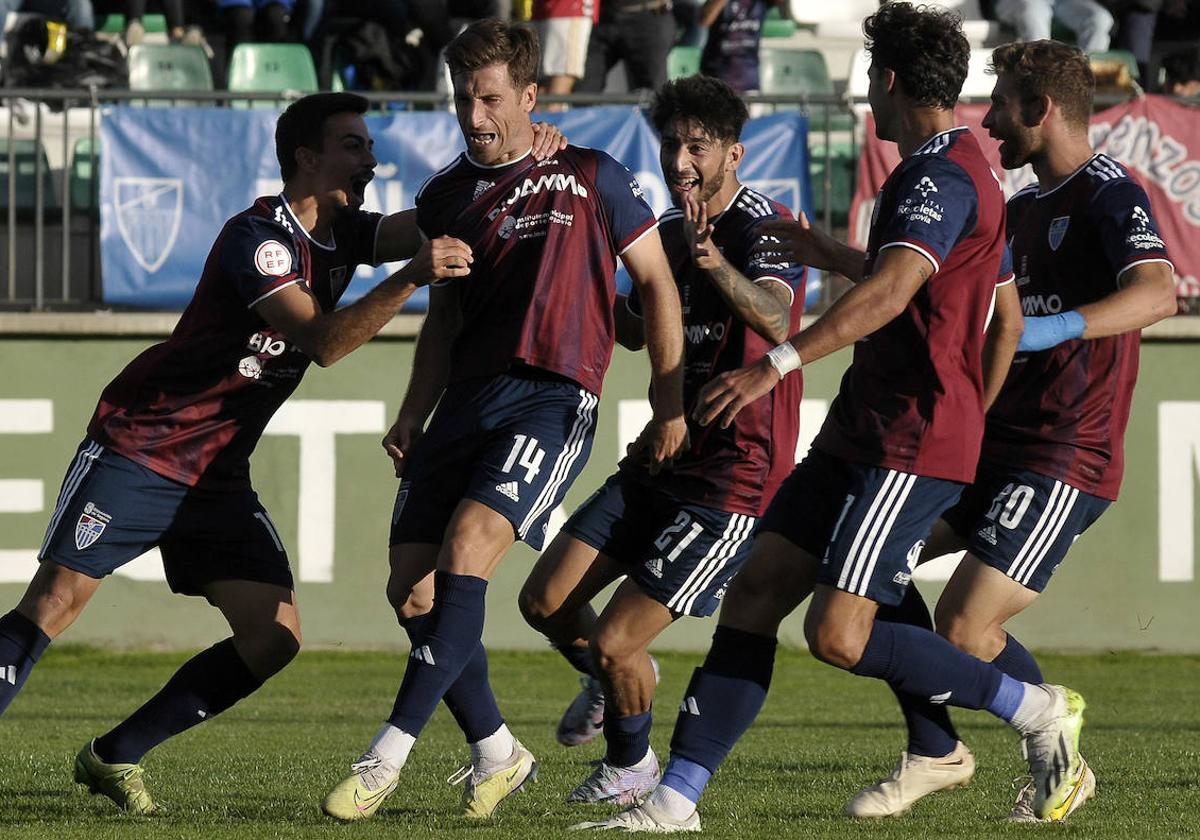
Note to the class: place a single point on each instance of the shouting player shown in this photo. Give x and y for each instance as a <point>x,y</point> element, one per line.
<point>1091,270</point>
<point>901,440</point>
<point>681,535</point>
<point>514,365</point>
<point>166,458</point>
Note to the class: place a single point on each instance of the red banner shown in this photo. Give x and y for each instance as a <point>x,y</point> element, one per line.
<point>1157,138</point>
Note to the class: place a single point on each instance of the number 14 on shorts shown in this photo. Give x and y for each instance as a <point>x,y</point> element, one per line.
<point>525,453</point>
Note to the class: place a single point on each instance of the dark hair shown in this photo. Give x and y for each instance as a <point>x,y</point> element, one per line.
<point>924,46</point>
<point>303,125</point>
<point>710,102</point>
<point>1049,68</point>
<point>1182,66</point>
<point>493,41</point>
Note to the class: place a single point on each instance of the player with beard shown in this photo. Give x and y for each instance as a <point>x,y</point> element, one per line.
<point>1092,271</point>
<point>515,402</point>
<point>166,458</point>
<point>679,536</point>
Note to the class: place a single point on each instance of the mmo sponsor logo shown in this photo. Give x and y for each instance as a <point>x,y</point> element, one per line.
<point>554,182</point>
<point>696,333</point>
<point>1041,305</point>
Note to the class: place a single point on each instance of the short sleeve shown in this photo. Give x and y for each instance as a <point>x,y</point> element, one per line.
<point>1005,275</point>
<point>259,257</point>
<point>358,236</point>
<point>1127,228</point>
<point>629,216</point>
<point>936,206</point>
<point>764,263</point>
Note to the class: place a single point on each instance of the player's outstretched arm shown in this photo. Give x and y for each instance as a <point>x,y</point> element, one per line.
<point>761,305</point>
<point>800,242</point>
<point>666,435</point>
<point>1146,296</point>
<point>326,337</point>
<point>1001,342</point>
<point>430,371</point>
<point>869,305</point>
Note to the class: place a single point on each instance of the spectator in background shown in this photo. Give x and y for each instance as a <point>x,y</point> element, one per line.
<point>135,30</point>
<point>638,32</point>
<point>563,27</point>
<point>255,20</point>
<point>76,14</point>
<point>1090,21</point>
<point>734,32</point>
<point>1182,73</point>
<point>1136,20</point>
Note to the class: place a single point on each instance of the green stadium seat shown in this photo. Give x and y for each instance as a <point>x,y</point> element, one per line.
<point>796,71</point>
<point>82,173</point>
<point>1120,56</point>
<point>169,67</point>
<point>843,168</point>
<point>27,152</point>
<point>683,61</point>
<point>274,68</point>
<point>115,24</point>
<point>776,25</point>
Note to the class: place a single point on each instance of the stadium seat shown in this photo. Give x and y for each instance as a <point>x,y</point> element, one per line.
<point>114,24</point>
<point>843,167</point>
<point>274,68</point>
<point>776,25</point>
<point>83,172</point>
<point>169,67</point>
<point>683,61</point>
<point>26,155</point>
<point>783,71</point>
<point>1119,57</point>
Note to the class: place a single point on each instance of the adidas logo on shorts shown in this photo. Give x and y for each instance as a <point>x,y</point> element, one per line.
<point>988,534</point>
<point>509,489</point>
<point>654,565</point>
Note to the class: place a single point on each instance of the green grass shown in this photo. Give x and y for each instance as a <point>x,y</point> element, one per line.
<point>260,770</point>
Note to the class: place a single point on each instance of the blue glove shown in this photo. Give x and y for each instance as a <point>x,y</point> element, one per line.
<point>1042,333</point>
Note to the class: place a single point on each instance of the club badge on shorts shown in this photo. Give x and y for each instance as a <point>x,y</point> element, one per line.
<point>90,526</point>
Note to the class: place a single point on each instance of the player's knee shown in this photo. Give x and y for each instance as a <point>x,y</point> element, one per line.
<point>611,651</point>
<point>839,646</point>
<point>981,642</point>
<point>535,607</point>
<point>407,602</point>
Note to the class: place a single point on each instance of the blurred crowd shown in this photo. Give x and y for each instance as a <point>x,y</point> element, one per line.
<point>395,44</point>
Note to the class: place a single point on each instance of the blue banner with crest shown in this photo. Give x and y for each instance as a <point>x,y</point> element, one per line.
<point>171,177</point>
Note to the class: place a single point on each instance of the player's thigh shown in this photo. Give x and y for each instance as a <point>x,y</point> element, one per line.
<point>410,578</point>
<point>110,510</point>
<point>55,597</point>
<point>943,539</point>
<point>1025,523</point>
<point>568,575</point>
<point>775,579</point>
<point>477,539</point>
<point>254,609</point>
<point>224,536</point>
<point>838,625</point>
<point>629,623</point>
<point>977,601</point>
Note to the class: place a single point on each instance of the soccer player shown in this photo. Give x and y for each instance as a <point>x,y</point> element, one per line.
<point>1092,271</point>
<point>517,361</point>
<point>901,440</point>
<point>166,459</point>
<point>678,537</point>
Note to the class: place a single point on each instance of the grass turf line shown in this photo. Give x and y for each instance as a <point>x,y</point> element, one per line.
<point>259,770</point>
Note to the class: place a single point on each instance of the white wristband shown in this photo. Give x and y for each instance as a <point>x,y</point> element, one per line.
<point>784,359</point>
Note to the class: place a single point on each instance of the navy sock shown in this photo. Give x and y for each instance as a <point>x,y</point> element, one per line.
<point>21,645</point>
<point>930,731</point>
<point>628,738</point>
<point>207,684</point>
<point>470,698</point>
<point>452,634</point>
<point>580,657</point>
<point>918,661</point>
<point>1018,663</point>
<point>723,698</point>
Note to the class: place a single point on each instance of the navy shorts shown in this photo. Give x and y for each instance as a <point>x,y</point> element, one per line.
<point>111,509</point>
<point>867,524</point>
<point>681,555</point>
<point>512,443</point>
<point>1022,523</point>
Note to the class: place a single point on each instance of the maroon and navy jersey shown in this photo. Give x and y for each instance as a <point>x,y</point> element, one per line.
<point>545,239</point>
<point>731,51</point>
<point>738,469</point>
<point>193,407</point>
<point>1062,411</point>
<point>912,399</point>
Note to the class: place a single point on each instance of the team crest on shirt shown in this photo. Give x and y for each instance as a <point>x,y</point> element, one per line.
<point>90,526</point>
<point>1058,230</point>
<point>925,186</point>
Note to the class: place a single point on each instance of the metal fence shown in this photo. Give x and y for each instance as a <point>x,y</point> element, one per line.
<point>48,168</point>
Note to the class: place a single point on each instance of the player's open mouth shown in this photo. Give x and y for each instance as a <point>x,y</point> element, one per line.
<point>482,139</point>
<point>684,185</point>
<point>359,184</point>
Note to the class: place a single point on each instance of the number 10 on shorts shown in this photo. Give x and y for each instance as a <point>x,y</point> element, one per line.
<point>525,453</point>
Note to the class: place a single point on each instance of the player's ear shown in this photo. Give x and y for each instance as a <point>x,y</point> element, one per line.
<point>734,155</point>
<point>1036,109</point>
<point>529,98</point>
<point>306,158</point>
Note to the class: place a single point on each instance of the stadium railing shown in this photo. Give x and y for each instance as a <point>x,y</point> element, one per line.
<point>49,251</point>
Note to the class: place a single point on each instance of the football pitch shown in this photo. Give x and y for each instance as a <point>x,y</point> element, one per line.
<point>260,770</point>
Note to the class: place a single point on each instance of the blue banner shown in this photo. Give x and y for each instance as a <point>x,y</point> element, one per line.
<point>170,177</point>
